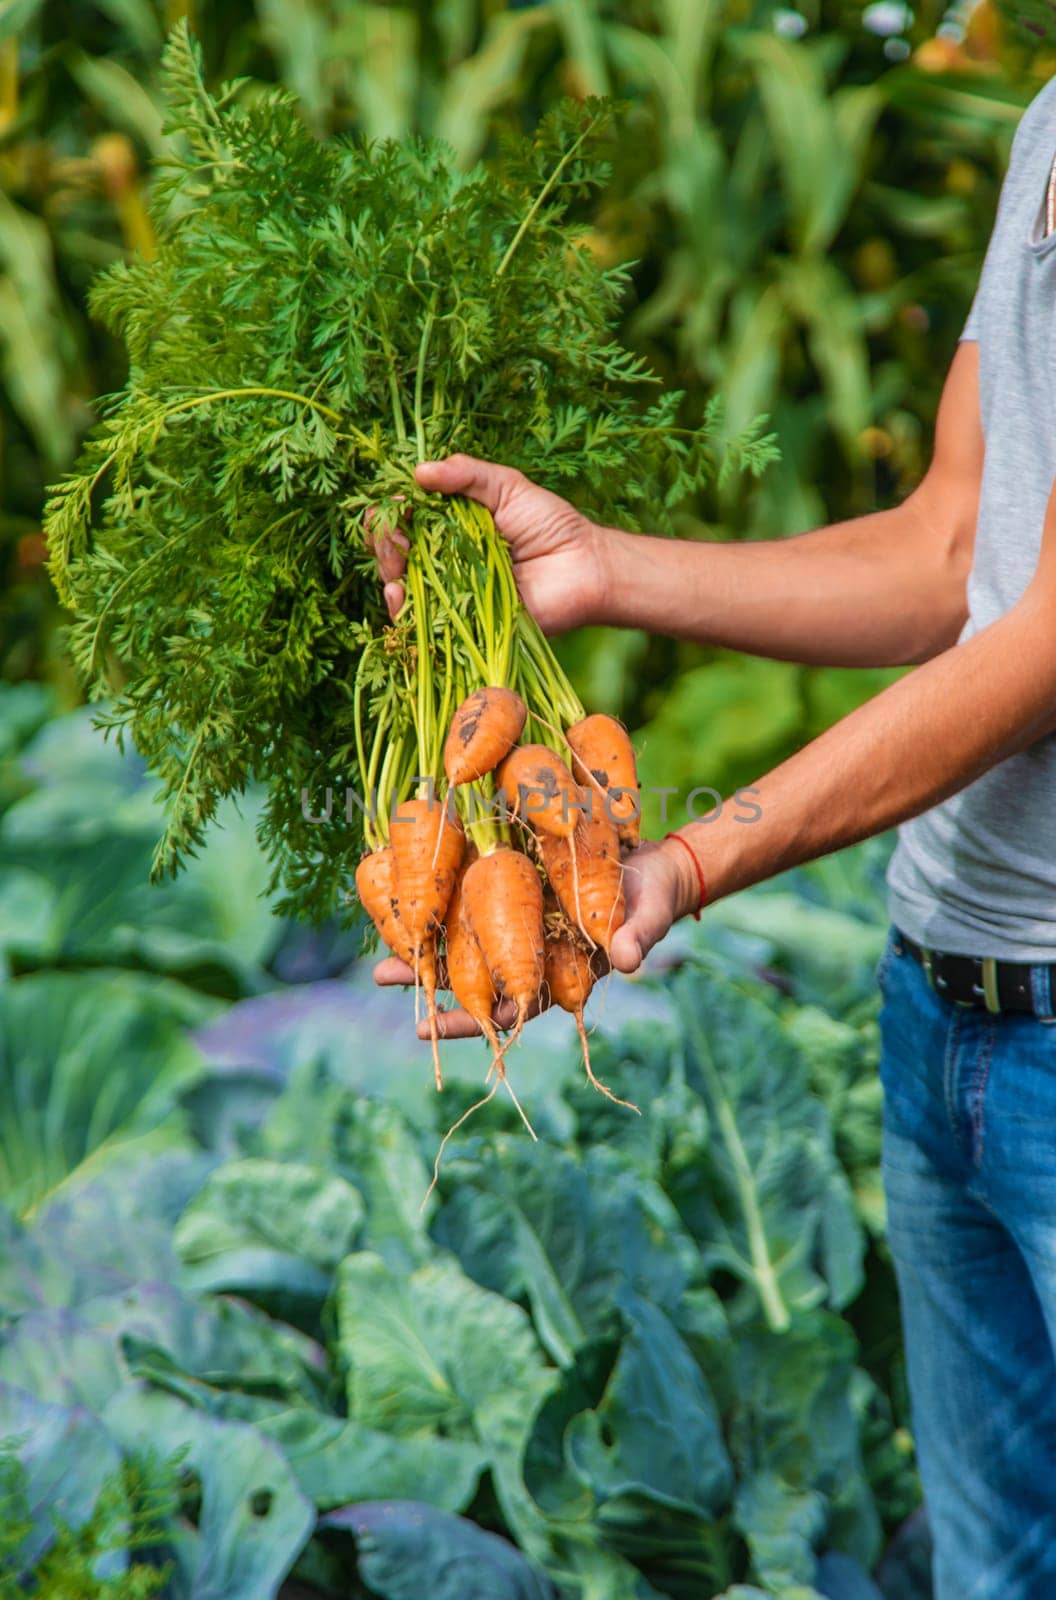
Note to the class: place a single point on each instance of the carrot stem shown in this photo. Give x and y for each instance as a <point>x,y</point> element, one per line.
<point>533,210</point>
<point>419,379</point>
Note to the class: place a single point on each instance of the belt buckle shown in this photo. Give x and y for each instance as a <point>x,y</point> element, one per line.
<point>988,993</point>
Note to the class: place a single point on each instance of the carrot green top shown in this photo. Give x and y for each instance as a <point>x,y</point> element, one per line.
<point>319,318</point>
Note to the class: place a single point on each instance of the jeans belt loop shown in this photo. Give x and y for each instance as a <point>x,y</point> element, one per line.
<point>1041,991</point>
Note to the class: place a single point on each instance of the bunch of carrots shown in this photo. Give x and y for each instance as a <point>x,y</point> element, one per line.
<point>519,903</point>
<point>315,322</point>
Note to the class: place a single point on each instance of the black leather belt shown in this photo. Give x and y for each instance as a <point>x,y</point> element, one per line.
<point>975,980</point>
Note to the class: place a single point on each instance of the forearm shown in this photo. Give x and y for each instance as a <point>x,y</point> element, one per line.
<point>882,590</point>
<point>919,741</point>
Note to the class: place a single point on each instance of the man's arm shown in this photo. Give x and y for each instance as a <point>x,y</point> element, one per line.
<point>886,589</point>
<point>882,590</point>
<point>922,739</point>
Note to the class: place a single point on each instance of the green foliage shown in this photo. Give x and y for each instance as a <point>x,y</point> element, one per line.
<point>257,1217</point>
<point>405,1551</point>
<point>1037,18</point>
<point>93,1036</point>
<point>638,1355</point>
<point>86,1062</point>
<point>845,353</point>
<point>316,320</point>
<point>96,1559</point>
<point>76,840</point>
<point>728,292</point>
<point>768,1202</point>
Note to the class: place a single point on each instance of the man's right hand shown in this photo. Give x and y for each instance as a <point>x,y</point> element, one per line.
<point>557,552</point>
<point>660,887</point>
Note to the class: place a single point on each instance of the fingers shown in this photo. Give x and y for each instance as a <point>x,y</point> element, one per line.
<point>392,970</point>
<point>450,1025</point>
<point>484,481</point>
<point>391,551</point>
<point>455,1024</point>
<point>458,1024</point>
<point>389,545</point>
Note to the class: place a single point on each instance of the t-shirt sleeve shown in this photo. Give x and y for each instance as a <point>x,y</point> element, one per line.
<point>1033,126</point>
<point>971,326</point>
<point>1032,132</point>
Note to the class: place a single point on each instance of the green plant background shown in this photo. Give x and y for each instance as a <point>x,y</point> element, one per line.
<point>677,1370</point>
<point>657,1356</point>
<point>808,217</point>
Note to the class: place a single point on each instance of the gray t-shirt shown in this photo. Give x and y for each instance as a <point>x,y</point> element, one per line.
<point>977,874</point>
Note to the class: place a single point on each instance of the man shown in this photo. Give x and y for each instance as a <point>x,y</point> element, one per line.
<point>961,580</point>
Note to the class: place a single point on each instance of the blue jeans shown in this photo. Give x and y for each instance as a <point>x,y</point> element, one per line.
<point>970,1177</point>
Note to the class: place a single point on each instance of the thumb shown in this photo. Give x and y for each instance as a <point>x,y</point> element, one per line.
<point>484,481</point>
<point>652,889</point>
<point>625,952</point>
<point>632,942</point>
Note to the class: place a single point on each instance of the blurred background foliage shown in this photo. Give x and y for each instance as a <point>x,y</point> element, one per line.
<point>807,193</point>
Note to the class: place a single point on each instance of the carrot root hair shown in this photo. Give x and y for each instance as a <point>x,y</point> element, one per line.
<point>617,905</point>
<point>444,817</point>
<point>429,986</point>
<point>505,1079</point>
<point>592,1077</point>
<point>501,1081</point>
<point>518,1027</point>
<point>434,1042</point>
<point>458,1123</point>
<point>498,1065</point>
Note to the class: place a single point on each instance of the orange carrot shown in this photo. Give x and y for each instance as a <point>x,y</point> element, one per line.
<point>427,846</point>
<point>539,787</point>
<point>502,901</point>
<point>470,981</point>
<point>376,888</point>
<point>473,988</point>
<point>569,980</point>
<point>585,872</point>
<point>483,731</point>
<point>603,750</point>
<point>569,973</point>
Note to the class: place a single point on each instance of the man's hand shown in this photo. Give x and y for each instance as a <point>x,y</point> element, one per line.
<point>659,886</point>
<point>557,552</point>
<point>560,568</point>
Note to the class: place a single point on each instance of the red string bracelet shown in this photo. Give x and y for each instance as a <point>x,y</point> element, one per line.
<point>699,869</point>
